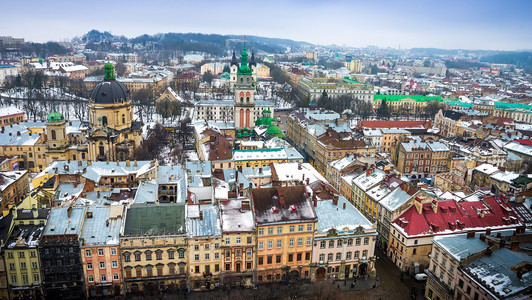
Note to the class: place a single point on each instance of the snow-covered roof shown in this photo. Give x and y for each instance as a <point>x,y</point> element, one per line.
<point>342,163</point>
<point>97,169</point>
<point>9,177</point>
<point>505,176</point>
<point>487,169</point>
<point>205,226</point>
<point>365,182</point>
<point>9,110</point>
<point>296,171</point>
<point>236,215</point>
<point>395,199</point>
<point>99,228</point>
<point>60,223</point>
<point>496,272</point>
<point>336,216</point>
<point>147,192</point>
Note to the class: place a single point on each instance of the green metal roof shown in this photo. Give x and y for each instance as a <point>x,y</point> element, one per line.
<point>54,116</point>
<point>351,80</point>
<point>458,103</point>
<point>506,105</point>
<point>261,150</point>
<point>162,219</point>
<point>418,98</point>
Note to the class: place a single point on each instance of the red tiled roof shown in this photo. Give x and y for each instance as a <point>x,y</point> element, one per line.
<point>524,142</point>
<point>396,124</point>
<point>455,216</point>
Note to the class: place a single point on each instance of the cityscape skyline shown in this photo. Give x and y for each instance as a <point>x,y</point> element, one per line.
<point>490,26</point>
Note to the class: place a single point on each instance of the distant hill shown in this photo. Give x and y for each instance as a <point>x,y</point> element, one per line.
<point>210,43</point>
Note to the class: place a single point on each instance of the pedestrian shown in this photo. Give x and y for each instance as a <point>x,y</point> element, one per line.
<point>345,282</point>
<point>338,286</point>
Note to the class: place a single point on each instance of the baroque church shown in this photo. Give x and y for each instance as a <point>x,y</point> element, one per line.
<point>110,135</point>
<point>243,109</point>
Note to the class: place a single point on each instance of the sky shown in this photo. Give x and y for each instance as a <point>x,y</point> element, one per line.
<point>448,24</point>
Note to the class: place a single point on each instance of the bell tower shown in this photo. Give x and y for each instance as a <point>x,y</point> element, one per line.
<point>244,90</point>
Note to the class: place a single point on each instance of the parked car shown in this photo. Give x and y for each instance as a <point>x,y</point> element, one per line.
<point>421,277</point>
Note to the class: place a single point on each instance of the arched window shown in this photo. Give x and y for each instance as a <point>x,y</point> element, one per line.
<point>247,99</point>
<point>241,79</point>
<point>104,121</point>
<point>53,135</point>
<point>102,150</point>
<point>123,119</point>
<point>241,99</point>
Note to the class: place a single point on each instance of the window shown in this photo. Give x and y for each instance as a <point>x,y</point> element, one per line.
<point>159,270</point>
<point>137,256</point>
<point>348,255</point>
<point>279,230</point>
<point>330,257</point>
<point>292,228</point>
<point>89,266</point>
<point>138,272</point>
<point>23,265</point>
<point>309,227</point>
<point>269,259</point>
<point>366,241</point>
<point>451,269</point>
<point>414,251</point>
<point>350,242</point>
<point>339,244</point>
<point>300,228</point>
<point>91,278</point>
<point>357,242</point>
<point>270,244</point>
<point>148,255</point>
<point>364,254</point>
<point>261,245</point>
<point>159,255</point>
<point>300,241</point>
<point>249,240</point>
<point>238,240</point>
<point>100,252</point>
<point>331,244</point>
<point>461,283</point>
<point>279,243</point>
<point>196,257</point>
<point>196,247</point>
<point>227,241</point>
<point>114,264</point>
<point>322,245</point>
<point>322,257</point>
<point>290,257</point>
<point>88,253</point>
<point>36,278</point>
<point>127,257</point>
<point>291,242</point>
<point>261,260</point>
<point>357,254</point>
<point>299,257</point>
<point>102,265</point>
<point>10,254</point>
<point>115,276</point>
<point>21,254</point>
<point>248,252</point>
<point>270,230</point>
<point>338,256</point>
<point>309,241</point>
<point>207,247</point>
<point>103,277</point>
<point>34,265</point>
<point>113,251</point>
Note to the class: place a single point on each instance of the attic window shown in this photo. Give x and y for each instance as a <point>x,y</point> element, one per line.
<point>274,209</point>
<point>434,227</point>
<point>292,208</point>
<point>443,209</point>
<point>451,225</point>
<point>426,210</point>
<point>452,209</point>
<point>460,224</point>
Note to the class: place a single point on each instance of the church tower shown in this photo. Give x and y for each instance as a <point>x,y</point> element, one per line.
<point>56,129</point>
<point>244,90</point>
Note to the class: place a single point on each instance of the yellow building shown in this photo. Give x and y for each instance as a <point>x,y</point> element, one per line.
<point>285,221</point>
<point>14,188</point>
<point>238,245</point>
<point>21,254</point>
<point>353,65</point>
<point>264,157</point>
<point>154,249</point>
<point>113,134</point>
<point>204,240</point>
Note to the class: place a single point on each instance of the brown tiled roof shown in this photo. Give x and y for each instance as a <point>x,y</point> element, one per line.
<point>275,204</point>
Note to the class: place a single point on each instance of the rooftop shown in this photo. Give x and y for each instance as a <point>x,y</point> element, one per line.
<point>162,219</point>
<point>282,204</point>
<point>342,219</point>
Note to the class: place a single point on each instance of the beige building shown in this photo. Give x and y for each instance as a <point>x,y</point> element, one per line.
<point>153,249</point>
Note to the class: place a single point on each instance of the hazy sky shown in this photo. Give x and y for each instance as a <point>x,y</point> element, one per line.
<point>467,24</point>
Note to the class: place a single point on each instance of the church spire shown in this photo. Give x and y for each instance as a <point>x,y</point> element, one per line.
<point>252,60</point>
<point>234,61</point>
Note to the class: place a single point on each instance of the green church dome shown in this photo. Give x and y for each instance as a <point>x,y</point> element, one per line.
<point>274,130</point>
<point>54,116</point>
<point>225,75</point>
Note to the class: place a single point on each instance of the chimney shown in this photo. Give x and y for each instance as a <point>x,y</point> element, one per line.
<point>201,215</point>
<point>69,211</point>
<point>135,163</point>
<point>260,170</point>
<point>107,223</point>
<point>89,162</point>
<point>299,166</point>
<point>482,237</point>
<point>107,162</point>
<point>303,177</point>
<point>281,201</point>
<point>470,234</point>
<point>345,205</point>
<point>519,273</point>
<point>435,206</point>
<point>89,215</point>
<point>98,195</point>
<point>314,199</point>
<point>250,185</point>
<point>515,245</point>
<point>127,163</point>
<point>18,133</point>
<point>482,213</point>
<point>308,180</point>
<point>335,199</point>
<point>488,231</point>
<point>79,163</point>
<point>118,163</point>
